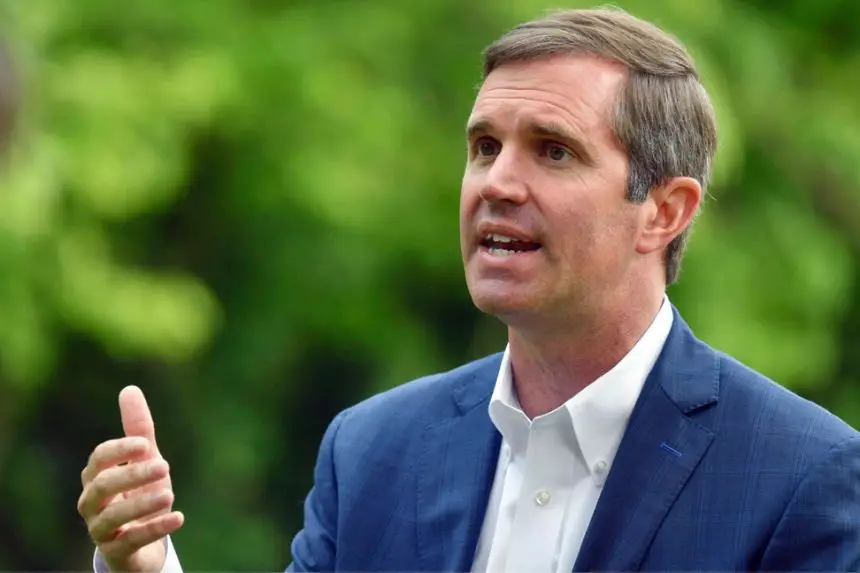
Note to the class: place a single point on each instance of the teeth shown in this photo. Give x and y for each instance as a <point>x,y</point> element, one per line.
<point>500,239</point>
<point>502,252</point>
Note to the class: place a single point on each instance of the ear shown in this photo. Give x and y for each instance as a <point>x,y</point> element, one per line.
<point>671,208</point>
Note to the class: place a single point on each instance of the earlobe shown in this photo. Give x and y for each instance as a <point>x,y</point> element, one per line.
<point>672,209</point>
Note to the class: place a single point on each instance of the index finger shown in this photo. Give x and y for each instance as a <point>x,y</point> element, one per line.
<point>114,452</point>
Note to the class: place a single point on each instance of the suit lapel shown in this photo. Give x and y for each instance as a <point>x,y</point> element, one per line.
<point>660,449</point>
<point>455,476</point>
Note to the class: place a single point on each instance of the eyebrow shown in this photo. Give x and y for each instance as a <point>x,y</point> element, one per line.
<point>550,130</point>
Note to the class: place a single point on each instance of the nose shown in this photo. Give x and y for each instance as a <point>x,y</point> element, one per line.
<point>505,180</point>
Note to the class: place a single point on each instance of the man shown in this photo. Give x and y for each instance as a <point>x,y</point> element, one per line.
<point>606,436</point>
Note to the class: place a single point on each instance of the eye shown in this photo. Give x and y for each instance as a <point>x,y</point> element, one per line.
<point>556,152</point>
<point>486,146</point>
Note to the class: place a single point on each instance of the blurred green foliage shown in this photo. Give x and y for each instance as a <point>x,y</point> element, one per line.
<point>249,209</point>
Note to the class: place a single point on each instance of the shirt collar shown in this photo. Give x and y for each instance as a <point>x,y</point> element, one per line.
<point>597,415</point>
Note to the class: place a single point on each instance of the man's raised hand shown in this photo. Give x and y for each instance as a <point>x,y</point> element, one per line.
<point>127,495</point>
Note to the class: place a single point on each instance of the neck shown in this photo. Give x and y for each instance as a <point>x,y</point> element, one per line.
<point>550,368</point>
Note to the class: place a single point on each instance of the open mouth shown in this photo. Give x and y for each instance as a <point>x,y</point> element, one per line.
<point>503,246</point>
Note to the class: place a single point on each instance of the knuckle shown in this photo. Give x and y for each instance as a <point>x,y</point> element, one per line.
<point>96,454</point>
<point>105,526</point>
<point>154,529</point>
<point>103,487</point>
<point>108,517</point>
<point>98,487</point>
<point>137,472</point>
<point>131,476</point>
<point>82,504</point>
<point>148,532</point>
<point>107,450</point>
<point>146,504</point>
<point>121,513</point>
<point>93,530</point>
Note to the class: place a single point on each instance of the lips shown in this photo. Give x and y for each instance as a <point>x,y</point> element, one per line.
<point>499,240</point>
<point>505,244</point>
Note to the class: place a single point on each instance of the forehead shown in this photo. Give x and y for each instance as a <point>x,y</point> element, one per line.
<point>578,91</point>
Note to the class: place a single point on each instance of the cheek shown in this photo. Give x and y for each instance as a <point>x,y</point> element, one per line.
<point>469,204</point>
<point>470,197</point>
<point>578,223</point>
<point>589,238</point>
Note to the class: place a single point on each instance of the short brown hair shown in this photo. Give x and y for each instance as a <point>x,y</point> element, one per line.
<point>663,117</point>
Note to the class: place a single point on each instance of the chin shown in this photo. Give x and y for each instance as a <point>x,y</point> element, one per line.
<point>503,295</point>
<point>503,305</point>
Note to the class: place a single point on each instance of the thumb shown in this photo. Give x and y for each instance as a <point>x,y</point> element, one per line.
<point>136,418</point>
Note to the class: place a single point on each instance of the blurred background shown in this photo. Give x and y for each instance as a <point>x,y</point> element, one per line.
<point>249,209</point>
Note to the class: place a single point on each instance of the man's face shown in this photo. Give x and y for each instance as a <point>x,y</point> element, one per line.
<point>543,168</point>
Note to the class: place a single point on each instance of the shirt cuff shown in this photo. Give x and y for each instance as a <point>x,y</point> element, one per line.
<point>171,561</point>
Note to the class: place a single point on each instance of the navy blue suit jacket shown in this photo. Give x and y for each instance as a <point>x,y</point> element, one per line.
<point>720,469</point>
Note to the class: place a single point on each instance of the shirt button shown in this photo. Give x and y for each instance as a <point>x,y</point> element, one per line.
<point>542,497</point>
<point>600,468</point>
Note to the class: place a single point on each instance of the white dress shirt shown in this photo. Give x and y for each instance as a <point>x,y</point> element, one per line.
<point>551,469</point>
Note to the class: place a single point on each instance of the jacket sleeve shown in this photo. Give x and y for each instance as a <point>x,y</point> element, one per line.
<point>820,529</point>
<point>314,548</point>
